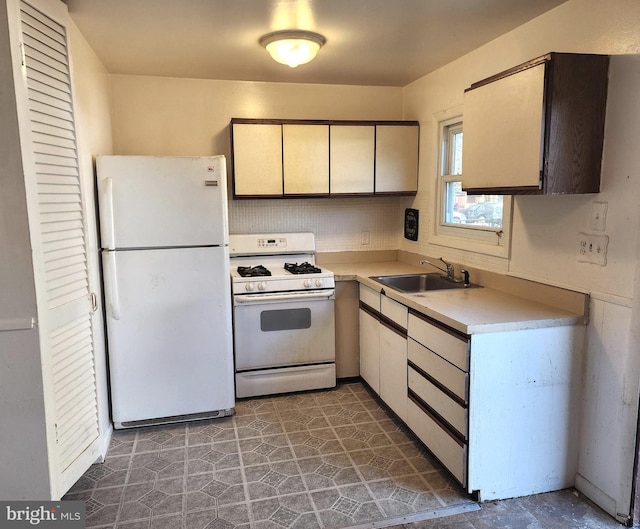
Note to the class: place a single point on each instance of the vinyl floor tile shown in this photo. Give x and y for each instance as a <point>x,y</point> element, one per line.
<point>316,460</point>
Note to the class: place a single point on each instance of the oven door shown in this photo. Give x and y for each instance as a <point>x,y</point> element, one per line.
<point>284,329</point>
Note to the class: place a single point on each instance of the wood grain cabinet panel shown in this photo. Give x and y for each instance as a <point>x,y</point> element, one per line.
<point>537,128</point>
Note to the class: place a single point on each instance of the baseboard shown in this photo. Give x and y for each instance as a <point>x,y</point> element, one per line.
<point>105,443</point>
<point>600,498</point>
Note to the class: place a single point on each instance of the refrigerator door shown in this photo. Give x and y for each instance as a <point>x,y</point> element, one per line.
<point>169,331</point>
<point>162,201</point>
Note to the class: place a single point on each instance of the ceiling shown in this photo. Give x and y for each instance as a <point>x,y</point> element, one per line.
<point>369,42</point>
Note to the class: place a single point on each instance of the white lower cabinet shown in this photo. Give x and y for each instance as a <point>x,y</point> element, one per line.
<point>393,369</point>
<point>438,381</point>
<point>383,348</point>
<point>499,410</point>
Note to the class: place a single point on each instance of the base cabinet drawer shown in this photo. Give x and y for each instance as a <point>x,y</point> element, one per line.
<point>451,453</point>
<point>447,374</point>
<point>452,412</point>
<point>450,345</point>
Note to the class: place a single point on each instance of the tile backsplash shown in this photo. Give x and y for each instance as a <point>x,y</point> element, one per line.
<point>338,223</point>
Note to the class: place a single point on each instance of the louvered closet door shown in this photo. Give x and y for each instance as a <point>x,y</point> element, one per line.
<point>64,306</point>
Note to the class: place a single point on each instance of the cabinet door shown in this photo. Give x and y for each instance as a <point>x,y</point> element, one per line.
<point>257,159</point>
<point>393,370</point>
<point>396,158</point>
<point>352,159</point>
<point>370,297</point>
<point>370,350</point>
<point>503,132</point>
<point>306,159</point>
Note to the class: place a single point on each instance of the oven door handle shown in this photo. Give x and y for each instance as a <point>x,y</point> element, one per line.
<point>244,299</point>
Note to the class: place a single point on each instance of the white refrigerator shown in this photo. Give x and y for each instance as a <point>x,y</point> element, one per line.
<point>164,239</point>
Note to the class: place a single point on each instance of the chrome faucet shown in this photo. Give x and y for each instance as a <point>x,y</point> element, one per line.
<point>449,270</point>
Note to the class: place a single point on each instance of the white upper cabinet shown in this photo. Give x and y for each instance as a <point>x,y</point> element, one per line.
<point>257,159</point>
<point>503,123</point>
<point>290,158</point>
<point>537,128</point>
<point>397,159</point>
<point>305,157</point>
<point>352,159</point>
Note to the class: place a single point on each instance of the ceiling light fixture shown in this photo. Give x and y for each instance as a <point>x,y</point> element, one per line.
<point>292,46</point>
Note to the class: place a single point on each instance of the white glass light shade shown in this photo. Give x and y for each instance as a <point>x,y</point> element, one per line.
<point>292,47</point>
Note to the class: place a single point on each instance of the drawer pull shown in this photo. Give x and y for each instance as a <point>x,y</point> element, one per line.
<point>449,330</point>
<point>439,385</point>
<point>393,326</point>
<point>435,416</point>
<point>389,324</point>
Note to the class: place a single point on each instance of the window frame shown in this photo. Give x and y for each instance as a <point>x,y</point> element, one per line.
<point>485,240</point>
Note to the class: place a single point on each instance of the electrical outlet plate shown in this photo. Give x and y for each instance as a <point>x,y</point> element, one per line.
<point>593,248</point>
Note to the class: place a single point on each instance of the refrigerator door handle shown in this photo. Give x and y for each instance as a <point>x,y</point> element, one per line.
<point>106,204</point>
<point>113,299</point>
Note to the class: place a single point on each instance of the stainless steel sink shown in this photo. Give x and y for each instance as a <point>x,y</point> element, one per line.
<point>419,282</point>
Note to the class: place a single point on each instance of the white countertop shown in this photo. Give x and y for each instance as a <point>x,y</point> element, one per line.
<point>471,311</point>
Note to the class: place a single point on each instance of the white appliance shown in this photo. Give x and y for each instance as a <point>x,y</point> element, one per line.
<point>165,256</point>
<point>283,308</point>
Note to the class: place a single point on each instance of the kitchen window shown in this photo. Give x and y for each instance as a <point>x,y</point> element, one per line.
<point>474,222</point>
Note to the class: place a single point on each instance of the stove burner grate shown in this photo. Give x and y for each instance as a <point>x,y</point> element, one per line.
<point>253,271</point>
<point>304,268</point>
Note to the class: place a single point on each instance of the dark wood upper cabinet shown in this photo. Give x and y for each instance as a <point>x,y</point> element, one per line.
<point>537,128</point>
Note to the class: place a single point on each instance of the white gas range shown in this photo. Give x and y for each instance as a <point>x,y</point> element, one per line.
<point>284,329</point>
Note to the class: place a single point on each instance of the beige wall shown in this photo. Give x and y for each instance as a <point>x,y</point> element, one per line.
<point>153,115</point>
<point>545,229</point>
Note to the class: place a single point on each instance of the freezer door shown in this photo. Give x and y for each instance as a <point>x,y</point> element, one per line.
<point>162,201</point>
<point>169,331</point>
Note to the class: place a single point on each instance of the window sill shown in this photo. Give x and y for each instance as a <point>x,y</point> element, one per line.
<point>498,248</point>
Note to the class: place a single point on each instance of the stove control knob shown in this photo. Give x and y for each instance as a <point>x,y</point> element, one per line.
<point>262,285</point>
<point>249,286</point>
<point>307,283</point>
<point>318,282</point>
